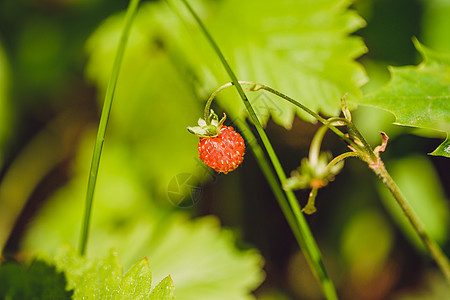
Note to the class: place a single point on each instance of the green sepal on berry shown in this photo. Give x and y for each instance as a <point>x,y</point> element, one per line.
<point>220,147</point>
<point>208,128</point>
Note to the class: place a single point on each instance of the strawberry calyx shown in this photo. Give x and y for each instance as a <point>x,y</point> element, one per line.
<point>208,128</point>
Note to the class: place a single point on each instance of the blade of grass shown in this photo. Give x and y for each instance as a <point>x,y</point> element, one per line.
<point>304,238</point>
<point>129,17</point>
<point>307,242</point>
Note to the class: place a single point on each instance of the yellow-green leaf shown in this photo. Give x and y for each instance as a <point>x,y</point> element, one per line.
<point>104,278</point>
<point>164,290</point>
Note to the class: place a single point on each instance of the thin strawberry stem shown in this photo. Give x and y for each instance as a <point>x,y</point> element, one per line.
<point>309,111</point>
<point>272,180</point>
<point>310,207</point>
<point>210,100</point>
<point>257,86</point>
<point>363,151</point>
<point>434,249</point>
<point>307,242</point>
<point>367,154</point>
<point>129,17</point>
<point>294,217</point>
<point>341,157</point>
<point>314,149</point>
<point>367,148</point>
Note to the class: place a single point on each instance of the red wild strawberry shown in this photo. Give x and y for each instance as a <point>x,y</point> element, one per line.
<point>223,153</point>
<point>220,147</point>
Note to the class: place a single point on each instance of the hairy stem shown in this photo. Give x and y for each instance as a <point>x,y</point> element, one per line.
<point>257,86</point>
<point>310,112</point>
<point>129,17</point>
<point>365,152</point>
<point>434,249</point>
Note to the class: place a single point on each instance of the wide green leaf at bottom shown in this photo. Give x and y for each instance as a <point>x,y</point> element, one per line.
<point>104,278</point>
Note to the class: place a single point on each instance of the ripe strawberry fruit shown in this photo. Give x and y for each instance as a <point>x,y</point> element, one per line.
<point>220,147</point>
<point>223,153</point>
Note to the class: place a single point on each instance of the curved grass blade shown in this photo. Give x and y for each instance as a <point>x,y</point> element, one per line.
<point>129,17</point>
<point>306,239</point>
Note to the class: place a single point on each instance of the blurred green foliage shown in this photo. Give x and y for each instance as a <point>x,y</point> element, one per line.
<point>57,57</point>
<point>5,107</point>
<point>436,25</point>
<point>200,257</point>
<point>426,197</point>
<point>366,243</point>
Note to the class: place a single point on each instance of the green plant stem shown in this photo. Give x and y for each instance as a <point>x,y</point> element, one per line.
<point>211,98</point>
<point>310,207</point>
<point>258,86</point>
<point>272,180</point>
<point>129,17</point>
<point>341,157</point>
<point>301,232</point>
<point>372,158</point>
<point>367,154</point>
<point>368,149</point>
<point>355,132</point>
<point>309,245</point>
<point>313,114</point>
<point>314,149</point>
<point>434,249</point>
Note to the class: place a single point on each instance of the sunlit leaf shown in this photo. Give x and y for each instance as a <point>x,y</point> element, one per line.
<point>302,48</point>
<point>418,96</point>
<point>104,278</point>
<point>202,259</point>
<point>164,290</point>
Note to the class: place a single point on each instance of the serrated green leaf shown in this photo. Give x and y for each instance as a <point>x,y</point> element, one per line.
<point>137,281</point>
<point>104,279</point>
<point>302,48</point>
<point>443,149</point>
<point>201,257</point>
<point>164,290</point>
<point>418,96</point>
<point>40,280</point>
<point>90,279</point>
